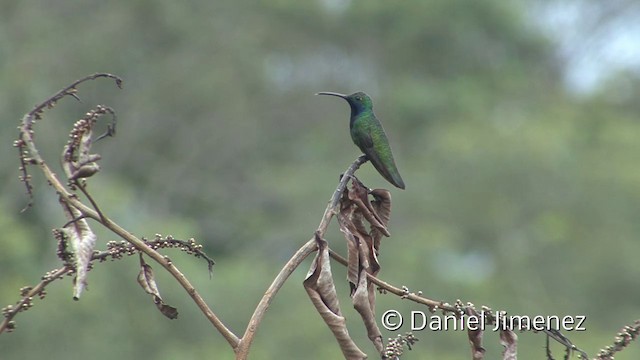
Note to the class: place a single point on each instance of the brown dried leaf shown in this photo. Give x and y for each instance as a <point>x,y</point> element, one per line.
<point>363,299</point>
<point>382,207</point>
<point>359,246</point>
<point>67,165</point>
<point>363,246</point>
<point>353,209</point>
<point>358,220</point>
<point>359,195</point>
<point>475,337</point>
<point>147,281</point>
<point>166,310</point>
<point>85,145</point>
<point>353,258</point>
<point>382,204</point>
<point>362,233</point>
<point>509,340</point>
<point>146,278</point>
<point>77,161</point>
<point>373,266</point>
<point>321,290</point>
<point>83,241</point>
<point>85,171</point>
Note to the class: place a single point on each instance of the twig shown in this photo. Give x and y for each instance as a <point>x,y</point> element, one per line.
<point>24,174</point>
<point>82,188</point>
<point>115,252</point>
<point>27,298</point>
<point>242,351</point>
<point>71,91</point>
<point>26,129</point>
<point>74,220</point>
<point>624,337</point>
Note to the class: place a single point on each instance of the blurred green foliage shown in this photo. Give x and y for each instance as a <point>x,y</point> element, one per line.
<point>519,195</point>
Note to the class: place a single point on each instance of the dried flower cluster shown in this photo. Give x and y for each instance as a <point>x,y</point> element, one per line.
<point>395,346</point>
<point>623,338</point>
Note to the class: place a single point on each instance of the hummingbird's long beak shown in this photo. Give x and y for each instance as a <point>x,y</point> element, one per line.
<point>332,94</point>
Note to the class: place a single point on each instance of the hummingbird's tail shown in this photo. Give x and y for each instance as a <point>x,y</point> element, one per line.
<point>389,171</point>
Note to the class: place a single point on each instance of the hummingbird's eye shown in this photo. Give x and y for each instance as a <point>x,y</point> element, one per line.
<point>358,98</point>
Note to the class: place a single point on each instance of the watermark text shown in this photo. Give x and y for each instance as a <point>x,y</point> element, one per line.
<point>393,320</point>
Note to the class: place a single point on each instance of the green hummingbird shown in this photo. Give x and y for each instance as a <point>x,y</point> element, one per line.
<point>368,134</point>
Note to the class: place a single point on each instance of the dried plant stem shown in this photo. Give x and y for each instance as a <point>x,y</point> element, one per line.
<point>67,269</point>
<point>33,292</point>
<point>242,351</point>
<point>396,290</point>
<point>231,338</point>
<point>624,337</point>
<point>26,135</point>
<point>26,128</point>
<point>142,246</point>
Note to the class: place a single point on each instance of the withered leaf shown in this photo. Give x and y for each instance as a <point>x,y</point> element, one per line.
<point>77,161</point>
<point>85,171</point>
<point>146,278</point>
<point>382,207</point>
<point>83,241</point>
<point>147,281</point>
<point>509,340</point>
<point>85,144</point>
<point>365,236</point>
<point>361,257</point>
<point>166,310</point>
<point>363,246</point>
<point>321,290</point>
<point>475,337</point>
<point>353,257</point>
<point>382,204</point>
<point>363,299</point>
<point>353,211</point>
<point>359,195</point>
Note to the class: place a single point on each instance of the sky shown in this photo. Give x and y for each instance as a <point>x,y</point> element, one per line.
<point>593,43</point>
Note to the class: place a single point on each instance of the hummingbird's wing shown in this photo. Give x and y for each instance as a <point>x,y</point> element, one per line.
<point>376,146</point>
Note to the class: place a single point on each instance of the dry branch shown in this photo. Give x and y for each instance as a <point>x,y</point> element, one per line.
<point>242,350</point>
<point>30,155</point>
<point>623,338</point>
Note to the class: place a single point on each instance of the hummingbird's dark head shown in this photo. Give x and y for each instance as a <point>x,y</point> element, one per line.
<point>359,101</point>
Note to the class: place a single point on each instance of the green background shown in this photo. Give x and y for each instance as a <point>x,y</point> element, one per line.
<point>523,193</point>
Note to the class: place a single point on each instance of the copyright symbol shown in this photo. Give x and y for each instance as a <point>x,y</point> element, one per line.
<point>391,320</point>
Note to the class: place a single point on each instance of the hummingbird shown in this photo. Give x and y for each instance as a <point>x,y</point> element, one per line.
<point>368,134</point>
